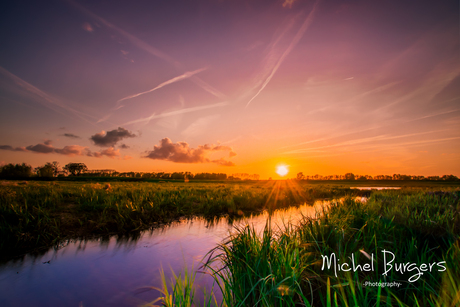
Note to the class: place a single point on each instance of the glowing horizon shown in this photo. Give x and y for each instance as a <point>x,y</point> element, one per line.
<point>326,88</point>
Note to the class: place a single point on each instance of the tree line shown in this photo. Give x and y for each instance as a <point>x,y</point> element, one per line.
<point>351,176</point>
<point>53,169</point>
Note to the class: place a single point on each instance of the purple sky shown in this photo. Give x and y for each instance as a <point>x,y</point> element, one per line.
<point>327,87</point>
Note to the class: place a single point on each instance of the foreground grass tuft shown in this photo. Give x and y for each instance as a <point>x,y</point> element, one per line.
<point>285,268</point>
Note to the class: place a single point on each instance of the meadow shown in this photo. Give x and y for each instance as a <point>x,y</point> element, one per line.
<point>40,214</point>
<point>283,265</point>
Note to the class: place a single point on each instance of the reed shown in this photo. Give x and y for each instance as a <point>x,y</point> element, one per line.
<point>284,267</point>
<point>41,214</point>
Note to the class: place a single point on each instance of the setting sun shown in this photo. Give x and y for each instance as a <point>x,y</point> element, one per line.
<point>282,170</point>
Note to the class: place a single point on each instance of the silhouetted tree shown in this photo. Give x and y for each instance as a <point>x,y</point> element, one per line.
<point>75,169</point>
<point>349,176</point>
<point>46,170</point>
<point>300,176</point>
<point>11,171</point>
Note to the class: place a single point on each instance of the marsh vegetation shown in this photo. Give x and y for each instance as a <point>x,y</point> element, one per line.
<point>283,265</point>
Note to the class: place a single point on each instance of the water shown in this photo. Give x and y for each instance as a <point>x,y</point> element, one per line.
<point>376,188</point>
<point>112,272</point>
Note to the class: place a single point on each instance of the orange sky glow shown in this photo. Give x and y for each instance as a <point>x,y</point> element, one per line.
<point>323,87</point>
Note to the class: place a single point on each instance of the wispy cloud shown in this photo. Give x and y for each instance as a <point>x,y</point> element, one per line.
<point>359,141</point>
<point>11,148</point>
<point>146,47</point>
<point>433,115</point>
<point>134,40</point>
<point>44,98</point>
<point>104,118</point>
<point>288,50</point>
<point>109,152</point>
<point>181,111</point>
<point>185,75</point>
<point>71,135</point>
<point>47,148</point>
<point>87,27</point>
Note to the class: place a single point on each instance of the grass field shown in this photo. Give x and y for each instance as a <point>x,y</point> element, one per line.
<point>419,225</point>
<point>38,214</point>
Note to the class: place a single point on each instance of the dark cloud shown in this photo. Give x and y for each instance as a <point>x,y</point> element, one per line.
<point>124,146</point>
<point>8,147</point>
<point>73,150</point>
<point>71,135</point>
<point>181,152</point>
<point>109,152</point>
<point>110,138</point>
<point>46,148</point>
<point>42,148</point>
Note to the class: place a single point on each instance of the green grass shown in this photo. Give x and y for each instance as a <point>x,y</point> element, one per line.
<point>284,267</point>
<point>41,214</point>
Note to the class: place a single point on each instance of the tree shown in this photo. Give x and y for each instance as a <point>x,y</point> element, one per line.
<point>16,171</point>
<point>300,176</point>
<point>55,165</point>
<point>50,169</point>
<point>349,176</point>
<point>75,169</point>
<point>46,170</point>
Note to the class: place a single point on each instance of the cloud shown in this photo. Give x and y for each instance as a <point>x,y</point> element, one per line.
<point>47,148</point>
<point>87,27</point>
<point>8,147</point>
<point>172,113</point>
<point>73,150</point>
<point>44,98</point>
<point>124,146</point>
<point>288,3</point>
<point>147,48</point>
<point>109,152</point>
<point>71,135</point>
<point>223,162</point>
<point>110,138</point>
<point>185,75</point>
<point>70,150</point>
<point>288,50</point>
<point>181,152</point>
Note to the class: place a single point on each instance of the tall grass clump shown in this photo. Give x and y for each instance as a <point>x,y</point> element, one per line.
<point>285,267</point>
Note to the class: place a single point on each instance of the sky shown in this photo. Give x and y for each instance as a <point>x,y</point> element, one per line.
<point>242,86</point>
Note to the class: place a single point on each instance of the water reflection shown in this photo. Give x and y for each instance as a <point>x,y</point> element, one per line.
<point>376,188</point>
<point>108,271</point>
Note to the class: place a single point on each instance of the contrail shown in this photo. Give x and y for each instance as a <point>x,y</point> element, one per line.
<point>293,43</point>
<point>359,141</point>
<point>136,41</point>
<point>182,111</point>
<point>146,47</point>
<point>46,99</point>
<point>186,75</point>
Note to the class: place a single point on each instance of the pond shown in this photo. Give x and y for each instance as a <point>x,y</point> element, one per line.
<point>111,272</point>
